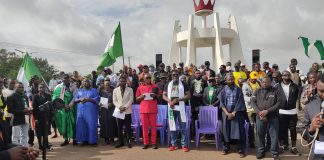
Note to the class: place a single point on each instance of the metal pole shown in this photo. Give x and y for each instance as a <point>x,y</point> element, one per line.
<point>123,61</point>
<point>129,64</point>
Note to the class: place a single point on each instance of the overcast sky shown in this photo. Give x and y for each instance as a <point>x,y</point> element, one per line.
<point>72,34</point>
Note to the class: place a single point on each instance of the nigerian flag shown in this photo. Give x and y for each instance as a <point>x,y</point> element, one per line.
<point>27,70</point>
<point>308,45</point>
<point>114,49</point>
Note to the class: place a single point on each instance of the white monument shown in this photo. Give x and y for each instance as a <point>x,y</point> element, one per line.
<point>214,37</point>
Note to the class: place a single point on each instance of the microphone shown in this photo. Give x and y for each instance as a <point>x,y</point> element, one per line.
<point>322,110</point>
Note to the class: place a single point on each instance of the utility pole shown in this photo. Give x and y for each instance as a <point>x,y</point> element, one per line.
<point>129,58</point>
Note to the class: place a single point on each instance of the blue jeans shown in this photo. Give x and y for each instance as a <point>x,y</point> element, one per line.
<point>273,125</point>
<point>183,131</point>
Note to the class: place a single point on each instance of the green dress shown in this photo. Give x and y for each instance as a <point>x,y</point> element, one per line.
<point>65,120</point>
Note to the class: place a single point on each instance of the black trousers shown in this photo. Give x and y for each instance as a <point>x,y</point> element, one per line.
<point>127,123</point>
<point>6,131</point>
<point>195,104</point>
<point>31,135</point>
<point>287,122</point>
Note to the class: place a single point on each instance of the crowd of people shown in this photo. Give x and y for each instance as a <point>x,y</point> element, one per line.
<point>268,99</point>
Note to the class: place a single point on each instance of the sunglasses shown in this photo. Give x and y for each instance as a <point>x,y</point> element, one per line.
<point>148,77</point>
<point>175,75</point>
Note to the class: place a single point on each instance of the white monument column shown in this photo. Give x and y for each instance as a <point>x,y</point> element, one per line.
<point>203,21</point>
<point>235,48</point>
<point>175,53</point>
<point>191,48</point>
<point>194,38</point>
<point>218,42</point>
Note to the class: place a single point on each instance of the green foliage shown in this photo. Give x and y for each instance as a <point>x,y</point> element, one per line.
<point>10,64</point>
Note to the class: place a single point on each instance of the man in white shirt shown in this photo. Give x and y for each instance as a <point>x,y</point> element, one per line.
<point>289,92</point>
<point>113,77</point>
<point>52,83</point>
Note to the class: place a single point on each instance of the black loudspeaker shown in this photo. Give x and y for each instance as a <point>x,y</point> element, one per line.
<point>158,60</point>
<point>255,56</point>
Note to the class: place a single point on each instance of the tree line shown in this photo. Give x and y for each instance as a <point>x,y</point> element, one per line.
<point>10,63</point>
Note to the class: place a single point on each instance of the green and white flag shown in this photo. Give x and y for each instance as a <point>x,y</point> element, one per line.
<point>305,44</point>
<point>308,45</point>
<point>27,70</point>
<point>319,45</point>
<point>114,49</point>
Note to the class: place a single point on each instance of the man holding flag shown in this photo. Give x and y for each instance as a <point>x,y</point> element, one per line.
<point>18,105</point>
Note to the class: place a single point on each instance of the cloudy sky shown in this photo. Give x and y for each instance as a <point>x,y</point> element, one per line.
<point>72,34</point>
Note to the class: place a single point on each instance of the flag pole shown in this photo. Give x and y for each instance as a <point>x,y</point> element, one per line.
<point>123,61</point>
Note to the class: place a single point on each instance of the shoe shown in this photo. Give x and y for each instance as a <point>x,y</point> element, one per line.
<point>155,146</point>
<point>172,148</point>
<point>260,156</point>
<point>185,149</point>
<point>55,136</point>
<point>119,145</point>
<point>294,150</point>
<point>107,141</point>
<point>40,148</point>
<point>66,142</point>
<point>49,145</point>
<point>276,157</point>
<point>281,149</point>
<point>225,152</point>
<point>286,147</point>
<point>146,146</point>
<point>242,155</point>
<point>75,143</point>
<point>129,144</point>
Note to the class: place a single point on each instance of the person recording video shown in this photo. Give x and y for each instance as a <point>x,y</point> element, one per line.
<point>313,120</point>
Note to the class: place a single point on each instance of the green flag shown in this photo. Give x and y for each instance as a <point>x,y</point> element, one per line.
<point>27,70</point>
<point>114,49</point>
<point>319,45</point>
<point>306,44</point>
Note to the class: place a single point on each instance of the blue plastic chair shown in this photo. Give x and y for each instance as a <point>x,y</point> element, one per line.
<point>136,121</point>
<point>161,121</point>
<point>207,123</point>
<point>188,117</point>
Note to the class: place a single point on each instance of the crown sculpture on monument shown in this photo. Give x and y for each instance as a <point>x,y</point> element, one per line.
<point>213,36</point>
<point>202,8</point>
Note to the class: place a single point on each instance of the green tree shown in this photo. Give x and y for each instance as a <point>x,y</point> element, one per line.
<point>10,64</point>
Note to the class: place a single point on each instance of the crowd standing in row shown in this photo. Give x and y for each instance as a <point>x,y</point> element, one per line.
<point>266,98</point>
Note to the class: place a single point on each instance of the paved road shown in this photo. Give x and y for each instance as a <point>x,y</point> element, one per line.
<point>207,151</point>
